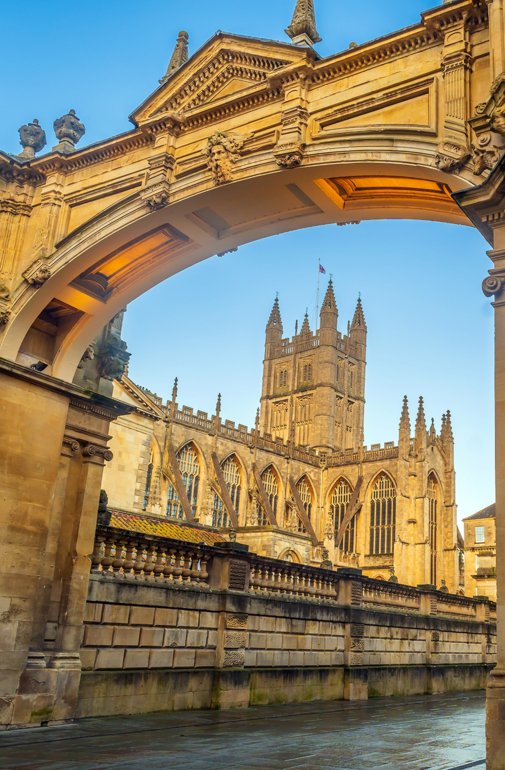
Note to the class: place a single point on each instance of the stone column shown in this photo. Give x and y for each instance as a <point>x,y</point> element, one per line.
<point>495,285</point>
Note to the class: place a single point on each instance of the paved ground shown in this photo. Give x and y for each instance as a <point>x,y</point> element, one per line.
<point>444,732</point>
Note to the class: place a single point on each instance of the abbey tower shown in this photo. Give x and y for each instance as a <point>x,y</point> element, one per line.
<point>313,389</point>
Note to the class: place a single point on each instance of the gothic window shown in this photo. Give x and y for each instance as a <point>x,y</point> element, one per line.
<point>220,516</point>
<point>433,504</point>
<point>271,486</point>
<point>351,378</point>
<point>189,466</point>
<point>306,373</point>
<point>283,378</point>
<point>382,516</point>
<point>280,420</point>
<point>232,479</point>
<point>304,490</point>
<point>149,479</point>
<point>339,502</point>
<point>303,420</point>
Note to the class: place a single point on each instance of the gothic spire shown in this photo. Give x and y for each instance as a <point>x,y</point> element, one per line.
<point>218,405</point>
<point>175,390</point>
<point>358,321</point>
<point>275,319</point>
<point>329,302</point>
<point>305,324</point>
<point>302,29</point>
<point>448,425</point>
<point>179,56</point>
<point>433,432</point>
<point>421,417</point>
<point>405,417</point>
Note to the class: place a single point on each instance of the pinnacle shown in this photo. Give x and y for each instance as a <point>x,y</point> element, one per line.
<point>358,320</point>
<point>179,56</point>
<point>405,416</point>
<point>275,316</point>
<point>329,302</point>
<point>302,29</point>
<point>305,325</point>
<point>421,417</point>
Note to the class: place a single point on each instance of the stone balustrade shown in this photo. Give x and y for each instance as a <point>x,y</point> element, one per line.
<point>288,580</point>
<point>133,556</point>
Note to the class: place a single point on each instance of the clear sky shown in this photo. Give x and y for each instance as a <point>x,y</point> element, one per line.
<point>430,327</point>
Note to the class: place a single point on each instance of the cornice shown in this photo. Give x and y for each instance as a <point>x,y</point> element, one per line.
<point>14,170</point>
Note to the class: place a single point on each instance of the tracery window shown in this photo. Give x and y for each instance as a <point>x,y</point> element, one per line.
<point>232,478</point>
<point>189,466</point>
<point>307,373</point>
<point>303,420</point>
<point>271,486</point>
<point>283,378</point>
<point>382,516</point>
<point>339,502</point>
<point>433,502</point>
<point>305,492</point>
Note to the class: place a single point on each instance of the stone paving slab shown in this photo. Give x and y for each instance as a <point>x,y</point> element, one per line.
<point>441,732</point>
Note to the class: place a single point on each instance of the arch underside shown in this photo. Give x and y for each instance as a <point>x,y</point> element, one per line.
<point>126,250</point>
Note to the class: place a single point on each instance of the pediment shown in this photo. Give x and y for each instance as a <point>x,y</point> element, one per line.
<point>225,68</point>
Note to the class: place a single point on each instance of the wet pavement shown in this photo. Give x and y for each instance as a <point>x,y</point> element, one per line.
<point>440,732</point>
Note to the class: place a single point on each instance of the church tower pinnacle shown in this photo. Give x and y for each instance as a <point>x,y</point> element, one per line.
<point>328,317</point>
<point>302,29</point>
<point>179,56</point>
<point>405,428</point>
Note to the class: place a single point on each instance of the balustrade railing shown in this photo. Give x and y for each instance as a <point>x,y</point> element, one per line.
<point>377,593</point>
<point>288,580</point>
<point>133,556</point>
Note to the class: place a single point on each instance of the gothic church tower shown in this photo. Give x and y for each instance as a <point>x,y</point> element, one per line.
<point>313,391</point>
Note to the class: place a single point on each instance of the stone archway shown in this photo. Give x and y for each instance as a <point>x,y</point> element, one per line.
<point>246,139</point>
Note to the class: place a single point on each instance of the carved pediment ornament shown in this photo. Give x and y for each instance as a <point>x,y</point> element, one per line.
<point>37,274</point>
<point>157,200</point>
<point>222,151</point>
<point>485,153</point>
<point>289,156</point>
<point>451,156</point>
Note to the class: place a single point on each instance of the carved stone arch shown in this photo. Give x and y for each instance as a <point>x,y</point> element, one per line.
<point>332,484</point>
<point>199,451</point>
<point>310,483</point>
<point>277,474</point>
<point>290,552</point>
<point>374,479</point>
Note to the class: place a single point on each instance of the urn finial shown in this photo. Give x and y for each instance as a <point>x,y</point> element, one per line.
<point>302,29</point>
<point>32,138</point>
<point>68,130</point>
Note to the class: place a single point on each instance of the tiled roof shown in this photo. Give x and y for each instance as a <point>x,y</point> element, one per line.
<point>152,525</point>
<point>486,513</point>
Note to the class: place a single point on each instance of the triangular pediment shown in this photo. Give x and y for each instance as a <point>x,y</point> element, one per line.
<point>126,390</point>
<point>225,68</point>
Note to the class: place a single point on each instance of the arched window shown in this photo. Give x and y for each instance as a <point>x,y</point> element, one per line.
<point>232,478</point>
<point>149,478</point>
<point>339,502</point>
<point>189,466</point>
<point>307,373</point>
<point>271,485</point>
<point>304,490</point>
<point>433,504</point>
<point>283,378</point>
<point>382,516</point>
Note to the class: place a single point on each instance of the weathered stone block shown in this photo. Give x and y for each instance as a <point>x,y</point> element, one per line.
<point>184,658</point>
<point>136,659</point>
<point>142,616</point>
<point>109,659</point>
<point>209,620</point>
<point>234,640</point>
<point>161,659</point>
<point>93,612</point>
<point>205,658</point>
<point>188,618</point>
<point>98,636</point>
<point>196,638</point>
<point>88,658</point>
<point>165,617</point>
<point>175,637</point>
<point>116,613</point>
<point>126,636</point>
<point>151,637</point>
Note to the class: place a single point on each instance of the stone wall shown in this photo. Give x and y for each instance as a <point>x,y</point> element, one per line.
<point>202,627</point>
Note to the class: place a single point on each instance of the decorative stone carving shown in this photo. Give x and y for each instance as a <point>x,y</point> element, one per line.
<point>112,357</point>
<point>4,317</point>
<point>179,56</point>
<point>289,156</point>
<point>493,285</point>
<point>37,274</point>
<point>91,450</point>
<point>498,120</point>
<point>451,156</point>
<point>485,154</point>
<point>302,29</point>
<point>222,151</point>
<point>68,130</point>
<point>238,622</point>
<point>234,658</point>
<point>157,200</point>
<point>71,443</point>
<point>32,139</point>
<point>235,640</point>
<point>4,291</point>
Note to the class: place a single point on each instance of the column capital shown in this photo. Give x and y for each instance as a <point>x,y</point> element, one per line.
<point>98,452</point>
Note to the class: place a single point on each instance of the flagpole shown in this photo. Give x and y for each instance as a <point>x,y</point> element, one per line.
<point>317,295</point>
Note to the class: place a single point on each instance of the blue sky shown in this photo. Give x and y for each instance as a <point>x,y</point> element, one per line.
<point>430,327</point>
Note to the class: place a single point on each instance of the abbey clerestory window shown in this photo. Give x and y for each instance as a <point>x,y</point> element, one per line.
<point>271,487</point>
<point>232,478</point>
<point>433,503</point>
<point>382,516</point>
<point>189,466</point>
<point>305,492</point>
<point>339,502</point>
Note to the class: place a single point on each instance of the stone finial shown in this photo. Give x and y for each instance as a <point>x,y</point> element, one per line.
<point>68,130</point>
<point>257,421</point>
<point>218,405</point>
<point>32,139</point>
<point>275,319</point>
<point>306,324</point>
<point>329,302</point>
<point>302,29</point>
<point>179,56</point>
<point>405,417</point>
<point>421,418</point>
<point>358,321</point>
<point>175,390</point>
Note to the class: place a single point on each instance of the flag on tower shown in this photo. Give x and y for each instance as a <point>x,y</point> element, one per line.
<point>322,269</point>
